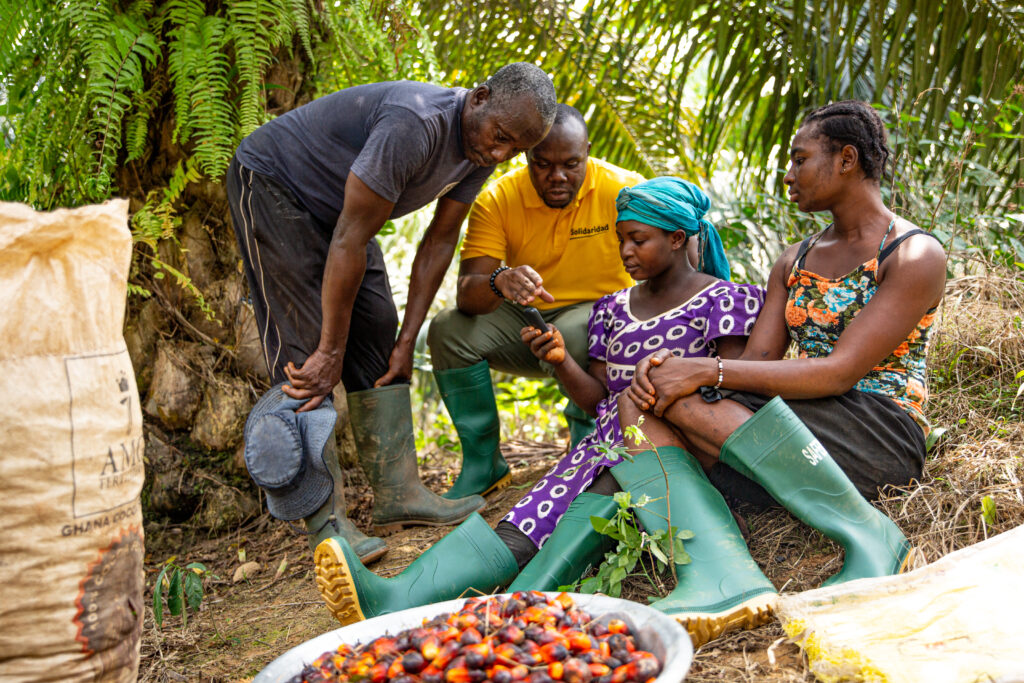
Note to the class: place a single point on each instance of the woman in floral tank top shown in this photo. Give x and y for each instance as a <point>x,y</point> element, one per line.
<point>822,432</point>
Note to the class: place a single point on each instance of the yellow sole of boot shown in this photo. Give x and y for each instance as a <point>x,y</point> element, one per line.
<point>334,581</point>
<point>500,484</point>
<point>703,628</point>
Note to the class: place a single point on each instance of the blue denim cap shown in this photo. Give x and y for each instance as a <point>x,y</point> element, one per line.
<point>284,453</point>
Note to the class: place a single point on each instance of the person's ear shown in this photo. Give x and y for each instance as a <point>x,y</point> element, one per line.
<point>480,95</point>
<point>849,156</point>
<point>677,239</point>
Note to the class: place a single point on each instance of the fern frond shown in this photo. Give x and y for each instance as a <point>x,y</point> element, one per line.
<point>214,130</point>
<point>256,28</point>
<point>300,16</point>
<point>115,75</point>
<point>137,126</point>
<point>184,57</point>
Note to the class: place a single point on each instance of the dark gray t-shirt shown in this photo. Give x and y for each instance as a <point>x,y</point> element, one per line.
<point>402,138</point>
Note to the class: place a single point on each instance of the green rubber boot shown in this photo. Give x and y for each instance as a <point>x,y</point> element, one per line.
<point>469,397</point>
<point>470,560</point>
<point>382,426</point>
<point>580,424</point>
<point>792,465</point>
<point>722,589</point>
<point>331,519</point>
<point>571,549</point>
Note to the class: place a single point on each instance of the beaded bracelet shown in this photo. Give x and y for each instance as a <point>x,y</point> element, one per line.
<point>718,385</point>
<point>494,275</point>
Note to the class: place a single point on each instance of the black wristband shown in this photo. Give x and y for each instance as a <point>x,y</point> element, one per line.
<point>494,275</point>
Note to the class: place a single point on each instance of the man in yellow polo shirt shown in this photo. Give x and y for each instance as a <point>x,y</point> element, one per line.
<point>542,236</point>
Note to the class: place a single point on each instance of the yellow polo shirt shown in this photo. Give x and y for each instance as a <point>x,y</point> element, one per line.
<point>574,248</point>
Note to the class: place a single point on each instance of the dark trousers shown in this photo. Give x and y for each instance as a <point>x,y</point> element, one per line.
<point>284,251</point>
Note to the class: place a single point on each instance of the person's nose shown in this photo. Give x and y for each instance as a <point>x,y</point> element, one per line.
<point>558,174</point>
<point>502,153</point>
<point>789,178</point>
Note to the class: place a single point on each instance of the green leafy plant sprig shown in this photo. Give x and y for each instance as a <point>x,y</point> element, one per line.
<point>632,543</point>
<point>665,546</point>
<point>181,589</point>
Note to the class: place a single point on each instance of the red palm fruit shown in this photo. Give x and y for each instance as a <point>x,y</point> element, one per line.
<point>579,641</point>
<point>553,652</point>
<point>431,674</point>
<point>555,670</point>
<point>510,633</point>
<point>344,650</point>
<point>506,651</point>
<point>396,669</point>
<point>621,674</point>
<point>478,655</point>
<point>565,600</point>
<point>597,670</point>
<point>576,671</point>
<point>604,649</point>
<point>446,654</point>
<point>502,675</point>
<point>383,646</point>
<point>535,614</point>
<point>447,632</point>
<point>458,674</point>
<point>470,636</point>
<point>533,632</point>
<point>378,673</point>
<point>359,670</point>
<point>464,620</point>
<point>599,628</point>
<point>535,598</point>
<point>430,647</point>
<point>519,672</point>
<point>552,635</point>
<point>529,653</point>
<point>539,677</point>
<point>514,605</point>
<point>413,662</point>
<point>645,667</point>
<point>616,642</point>
<point>617,626</point>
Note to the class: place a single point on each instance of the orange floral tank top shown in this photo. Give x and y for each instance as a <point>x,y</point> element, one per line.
<point>819,309</point>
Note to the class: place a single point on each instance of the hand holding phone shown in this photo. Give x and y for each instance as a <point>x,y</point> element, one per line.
<point>534,318</point>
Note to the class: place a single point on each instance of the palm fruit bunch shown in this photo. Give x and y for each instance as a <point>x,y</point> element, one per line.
<point>523,637</point>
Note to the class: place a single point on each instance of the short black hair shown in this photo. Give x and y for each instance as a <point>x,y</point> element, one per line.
<point>852,122</point>
<point>565,113</point>
<point>522,78</point>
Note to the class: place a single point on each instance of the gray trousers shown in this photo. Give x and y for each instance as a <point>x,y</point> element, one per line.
<point>458,340</point>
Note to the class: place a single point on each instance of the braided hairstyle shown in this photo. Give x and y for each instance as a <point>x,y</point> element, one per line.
<point>852,122</point>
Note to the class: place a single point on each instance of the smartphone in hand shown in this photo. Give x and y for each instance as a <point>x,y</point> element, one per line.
<point>534,318</point>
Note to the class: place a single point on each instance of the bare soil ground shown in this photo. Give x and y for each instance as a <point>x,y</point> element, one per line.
<point>975,358</point>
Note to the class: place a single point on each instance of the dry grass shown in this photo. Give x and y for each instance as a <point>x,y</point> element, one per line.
<point>976,355</point>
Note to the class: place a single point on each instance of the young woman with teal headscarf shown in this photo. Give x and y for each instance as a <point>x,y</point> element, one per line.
<point>547,539</point>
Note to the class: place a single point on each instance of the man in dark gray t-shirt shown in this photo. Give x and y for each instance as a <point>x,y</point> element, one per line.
<point>308,193</point>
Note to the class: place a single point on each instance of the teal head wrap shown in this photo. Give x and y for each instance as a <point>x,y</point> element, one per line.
<point>674,204</point>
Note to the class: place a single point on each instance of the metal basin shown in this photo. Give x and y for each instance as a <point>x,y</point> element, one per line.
<point>654,632</point>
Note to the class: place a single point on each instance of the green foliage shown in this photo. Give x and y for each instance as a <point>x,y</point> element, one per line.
<point>988,511</point>
<point>180,589</point>
<point>671,86</point>
<point>631,545</point>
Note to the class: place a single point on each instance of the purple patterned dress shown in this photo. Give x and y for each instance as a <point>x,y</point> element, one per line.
<point>621,340</point>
